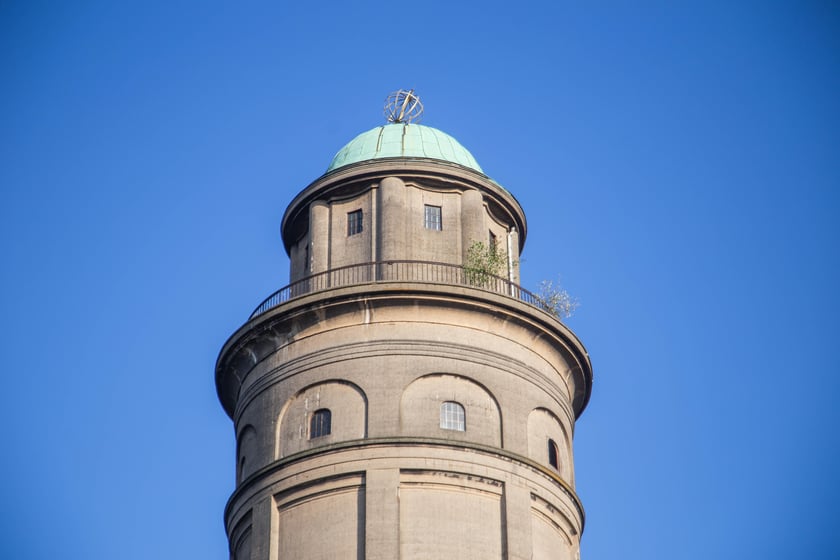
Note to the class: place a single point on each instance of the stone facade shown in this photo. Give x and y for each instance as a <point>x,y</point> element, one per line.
<point>386,408</point>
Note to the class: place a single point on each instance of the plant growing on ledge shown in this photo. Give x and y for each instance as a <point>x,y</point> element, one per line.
<point>486,267</point>
<point>556,300</point>
<point>484,263</point>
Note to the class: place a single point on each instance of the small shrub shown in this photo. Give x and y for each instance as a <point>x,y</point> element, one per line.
<point>483,264</point>
<point>556,300</point>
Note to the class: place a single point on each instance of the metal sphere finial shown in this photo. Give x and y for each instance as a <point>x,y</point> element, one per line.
<point>403,107</point>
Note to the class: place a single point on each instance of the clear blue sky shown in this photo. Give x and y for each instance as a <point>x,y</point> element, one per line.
<point>679,164</point>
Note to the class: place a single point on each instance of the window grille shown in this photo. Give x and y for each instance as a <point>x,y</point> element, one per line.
<point>354,222</point>
<point>432,219</point>
<point>452,416</point>
<point>320,423</point>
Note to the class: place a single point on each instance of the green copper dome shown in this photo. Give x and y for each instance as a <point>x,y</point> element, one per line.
<point>403,140</point>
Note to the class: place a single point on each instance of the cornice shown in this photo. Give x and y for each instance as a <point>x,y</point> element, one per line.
<point>261,479</point>
<point>264,334</point>
<point>366,173</point>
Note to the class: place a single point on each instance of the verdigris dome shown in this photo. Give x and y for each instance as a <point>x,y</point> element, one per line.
<point>403,140</point>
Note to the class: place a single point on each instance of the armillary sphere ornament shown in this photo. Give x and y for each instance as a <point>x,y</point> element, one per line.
<point>403,107</point>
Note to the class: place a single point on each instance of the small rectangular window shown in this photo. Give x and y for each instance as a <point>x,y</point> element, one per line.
<point>354,222</point>
<point>431,218</point>
<point>320,424</point>
<point>493,242</point>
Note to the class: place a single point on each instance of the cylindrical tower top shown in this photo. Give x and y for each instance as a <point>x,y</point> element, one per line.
<point>420,156</point>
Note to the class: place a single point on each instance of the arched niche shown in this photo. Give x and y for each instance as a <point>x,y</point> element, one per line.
<point>545,428</point>
<point>347,406</point>
<point>246,452</point>
<point>420,409</point>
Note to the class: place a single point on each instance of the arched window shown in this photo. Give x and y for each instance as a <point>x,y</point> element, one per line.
<point>452,416</point>
<point>246,452</point>
<point>320,424</point>
<point>241,468</point>
<point>552,454</point>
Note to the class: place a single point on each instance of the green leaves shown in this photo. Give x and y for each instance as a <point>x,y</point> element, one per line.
<point>556,300</point>
<point>486,267</point>
<point>484,263</point>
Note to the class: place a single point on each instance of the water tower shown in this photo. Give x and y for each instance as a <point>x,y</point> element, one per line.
<point>398,400</point>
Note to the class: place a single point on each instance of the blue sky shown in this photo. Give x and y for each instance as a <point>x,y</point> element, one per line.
<point>678,164</point>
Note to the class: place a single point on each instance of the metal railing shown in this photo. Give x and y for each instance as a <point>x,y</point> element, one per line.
<point>399,271</point>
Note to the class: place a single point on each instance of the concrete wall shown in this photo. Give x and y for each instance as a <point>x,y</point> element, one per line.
<point>324,521</point>
<point>447,515</point>
<point>394,227</point>
<point>421,402</point>
<point>345,401</point>
<point>389,481</point>
<point>383,362</point>
<point>545,426</point>
<point>389,500</point>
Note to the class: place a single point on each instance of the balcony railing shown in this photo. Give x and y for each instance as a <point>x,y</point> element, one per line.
<point>399,271</point>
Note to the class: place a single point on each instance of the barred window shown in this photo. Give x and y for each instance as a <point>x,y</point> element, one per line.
<point>431,218</point>
<point>552,454</point>
<point>452,416</point>
<point>320,423</point>
<point>354,222</point>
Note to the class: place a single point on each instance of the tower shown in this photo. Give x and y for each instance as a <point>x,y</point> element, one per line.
<point>398,399</point>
